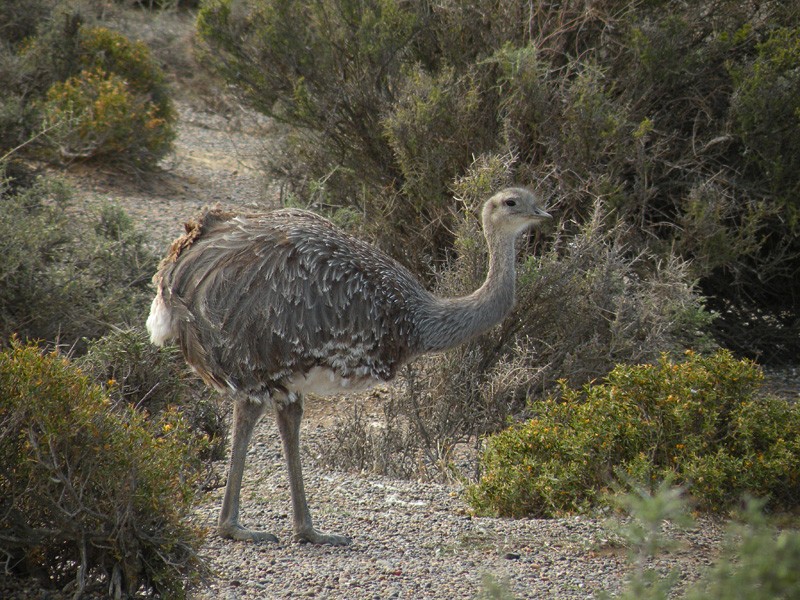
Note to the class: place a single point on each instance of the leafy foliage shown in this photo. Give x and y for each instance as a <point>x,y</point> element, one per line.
<point>91,495</point>
<point>116,107</point>
<point>94,115</point>
<point>698,423</point>
<point>766,110</point>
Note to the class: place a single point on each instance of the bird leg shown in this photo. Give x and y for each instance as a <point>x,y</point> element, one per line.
<point>245,416</point>
<point>289,414</point>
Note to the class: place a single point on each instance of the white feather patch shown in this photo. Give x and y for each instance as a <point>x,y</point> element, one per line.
<point>326,382</point>
<point>159,323</point>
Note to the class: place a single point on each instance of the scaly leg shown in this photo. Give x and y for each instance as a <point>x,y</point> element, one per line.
<point>245,416</point>
<point>289,414</point>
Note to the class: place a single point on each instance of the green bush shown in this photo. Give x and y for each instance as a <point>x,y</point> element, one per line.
<point>114,106</point>
<point>768,93</point>
<point>134,372</point>
<point>63,277</point>
<point>95,115</point>
<point>699,423</point>
<point>90,496</point>
<point>84,91</point>
<point>280,54</point>
<point>757,559</point>
<point>20,19</point>
<point>112,52</point>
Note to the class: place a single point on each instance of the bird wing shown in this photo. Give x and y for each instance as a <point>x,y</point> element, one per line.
<point>261,298</point>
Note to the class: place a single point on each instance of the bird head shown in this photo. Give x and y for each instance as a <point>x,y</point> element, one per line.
<point>513,210</point>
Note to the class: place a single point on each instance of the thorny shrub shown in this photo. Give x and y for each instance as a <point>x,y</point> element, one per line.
<point>92,497</point>
<point>133,372</point>
<point>583,305</point>
<point>65,278</point>
<point>699,423</point>
<point>19,19</point>
<point>651,108</point>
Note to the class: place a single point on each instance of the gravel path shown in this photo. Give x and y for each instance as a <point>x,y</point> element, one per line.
<point>411,540</point>
<point>216,160</point>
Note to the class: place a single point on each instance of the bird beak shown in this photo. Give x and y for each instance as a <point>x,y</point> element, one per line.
<point>541,215</point>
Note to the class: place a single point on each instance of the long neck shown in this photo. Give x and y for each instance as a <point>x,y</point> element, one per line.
<point>448,322</point>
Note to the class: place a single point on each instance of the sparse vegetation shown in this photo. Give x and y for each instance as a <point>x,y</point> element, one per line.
<point>757,558</point>
<point>582,307</point>
<point>758,561</point>
<point>66,279</point>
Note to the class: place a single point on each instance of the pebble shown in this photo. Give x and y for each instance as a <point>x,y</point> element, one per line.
<point>411,540</point>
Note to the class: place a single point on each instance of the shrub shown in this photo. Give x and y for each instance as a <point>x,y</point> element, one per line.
<point>114,106</point>
<point>112,52</point>
<point>438,123</point>
<point>335,152</point>
<point>95,115</point>
<point>582,306</point>
<point>19,19</point>
<point>90,496</point>
<point>767,93</point>
<point>698,423</point>
<point>386,446</point>
<point>757,559</point>
<point>135,373</point>
<point>66,278</point>
<point>643,533</point>
<point>82,91</point>
<point>649,108</point>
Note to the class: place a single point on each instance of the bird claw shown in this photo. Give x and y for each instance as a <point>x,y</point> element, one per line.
<point>237,532</point>
<point>316,537</point>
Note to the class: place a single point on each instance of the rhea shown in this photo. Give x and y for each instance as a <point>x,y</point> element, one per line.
<point>269,307</point>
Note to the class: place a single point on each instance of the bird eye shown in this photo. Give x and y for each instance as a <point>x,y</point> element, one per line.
<point>510,203</point>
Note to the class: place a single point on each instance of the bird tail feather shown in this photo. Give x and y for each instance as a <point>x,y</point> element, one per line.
<point>160,323</point>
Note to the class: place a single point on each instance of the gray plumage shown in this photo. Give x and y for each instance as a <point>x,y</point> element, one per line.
<point>271,306</point>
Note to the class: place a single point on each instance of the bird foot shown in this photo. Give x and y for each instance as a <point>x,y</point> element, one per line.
<point>237,532</point>
<point>312,536</point>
